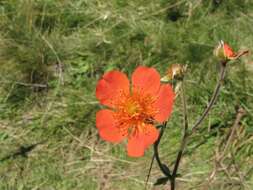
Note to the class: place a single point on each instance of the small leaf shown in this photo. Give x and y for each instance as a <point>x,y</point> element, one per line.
<point>166,169</point>
<point>161,181</point>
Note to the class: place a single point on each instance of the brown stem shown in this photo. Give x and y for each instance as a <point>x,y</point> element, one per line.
<point>214,96</point>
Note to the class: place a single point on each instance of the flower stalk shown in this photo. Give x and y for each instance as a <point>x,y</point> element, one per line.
<point>184,139</point>
<point>186,133</point>
<point>213,98</point>
<point>156,153</point>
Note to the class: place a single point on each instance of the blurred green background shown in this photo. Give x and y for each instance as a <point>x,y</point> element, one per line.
<point>52,53</point>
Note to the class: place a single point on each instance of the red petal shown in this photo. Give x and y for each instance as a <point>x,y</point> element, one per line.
<point>138,143</point>
<point>150,136</point>
<point>107,126</point>
<point>111,86</point>
<point>135,146</point>
<point>228,51</point>
<point>164,103</point>
<point>146,79</point>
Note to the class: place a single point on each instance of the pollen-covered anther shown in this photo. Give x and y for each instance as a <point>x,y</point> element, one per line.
<point>135,109</point>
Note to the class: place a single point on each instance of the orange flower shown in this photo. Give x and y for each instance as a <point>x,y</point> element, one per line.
<point>133,111</point>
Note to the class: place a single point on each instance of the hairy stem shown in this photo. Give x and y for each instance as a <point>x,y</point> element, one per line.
<point>183,142</point>
<point>214,97</point>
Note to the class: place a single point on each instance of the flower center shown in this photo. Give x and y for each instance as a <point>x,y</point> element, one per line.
<point>133,111</point>
<point>132,107</point>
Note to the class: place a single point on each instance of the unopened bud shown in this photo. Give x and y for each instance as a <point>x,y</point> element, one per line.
<point>175,71</point>
<point>225,53</point>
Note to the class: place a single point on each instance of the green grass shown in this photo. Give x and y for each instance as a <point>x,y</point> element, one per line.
<point>53,52</point>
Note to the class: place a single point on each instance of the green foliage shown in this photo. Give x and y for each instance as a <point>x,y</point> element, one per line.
<point>52,52</point>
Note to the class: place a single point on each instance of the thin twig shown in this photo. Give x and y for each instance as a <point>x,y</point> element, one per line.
<point>149,171</point>
<point>26,84</point>
<point>240,114</point>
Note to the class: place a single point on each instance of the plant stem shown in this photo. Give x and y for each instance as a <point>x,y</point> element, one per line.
<point>214,96</point>
<point>149,171</point>
<point>172,177</point>
<point>183,142</point>
<point>156,153</point>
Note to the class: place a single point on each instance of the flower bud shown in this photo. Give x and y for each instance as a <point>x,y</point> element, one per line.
<point>175,71</point>
<point>225,53</point>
